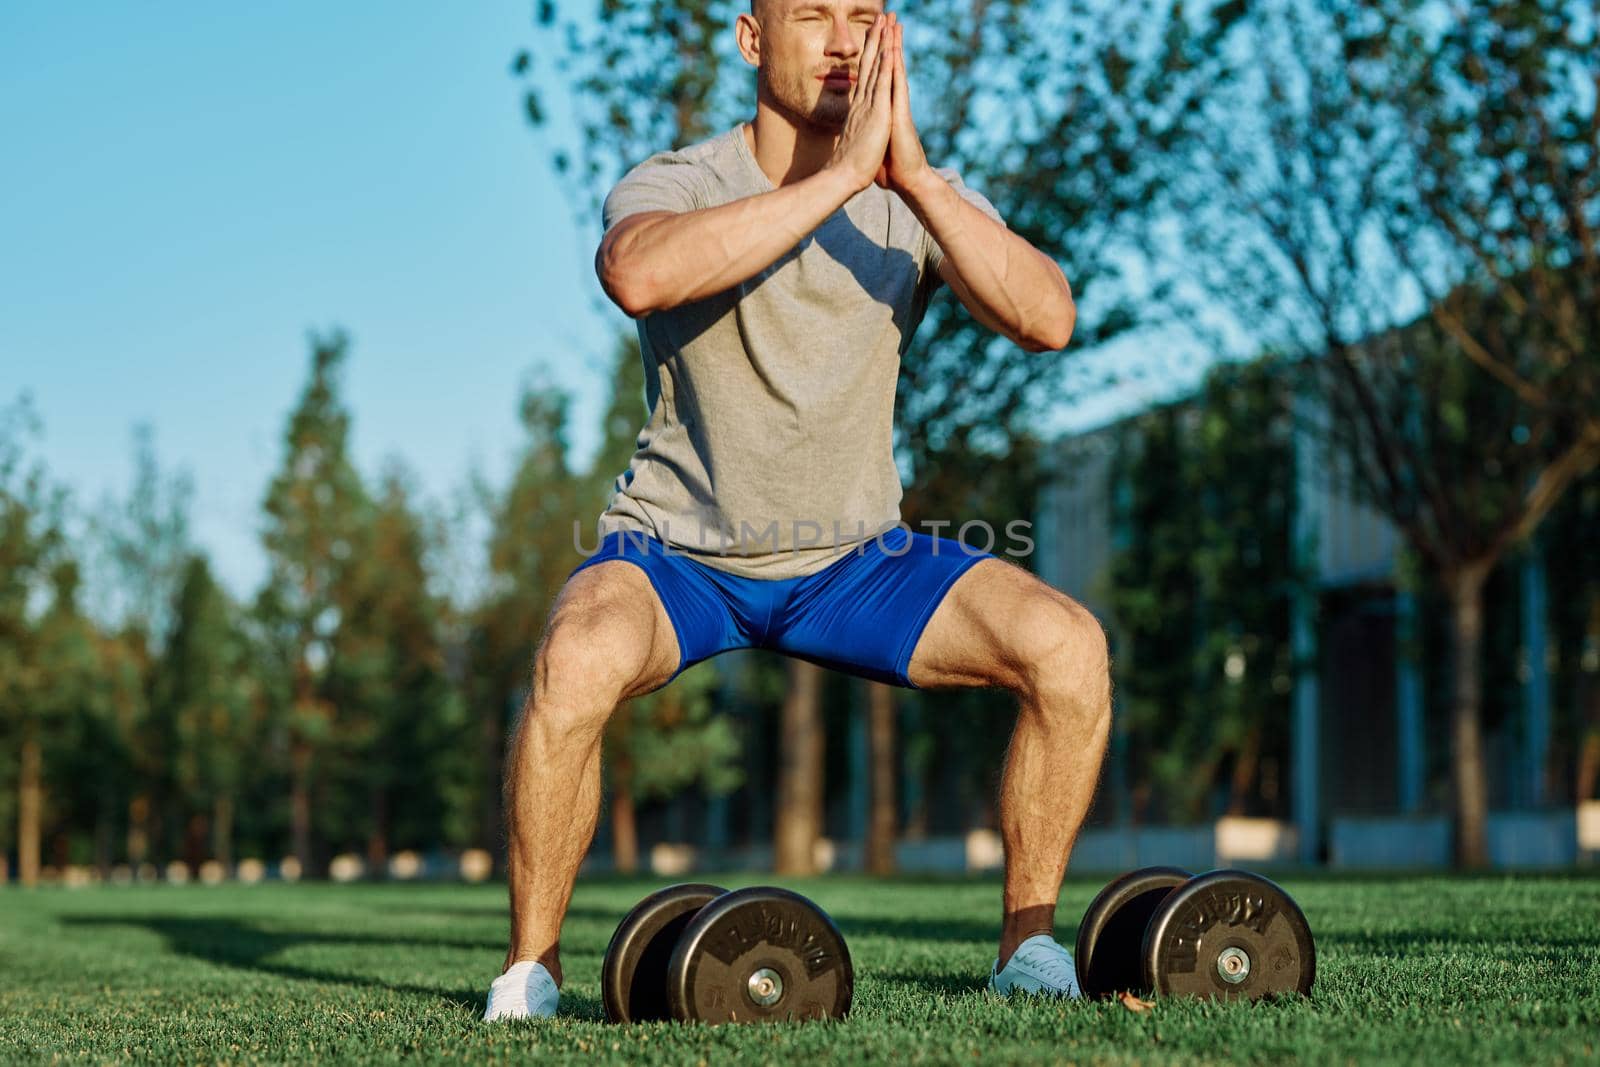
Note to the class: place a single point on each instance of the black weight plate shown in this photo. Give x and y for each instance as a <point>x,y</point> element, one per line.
<point>1229,935</point>
<point>633,978</point>
<point>760,955</point>
<point>1112,931</point>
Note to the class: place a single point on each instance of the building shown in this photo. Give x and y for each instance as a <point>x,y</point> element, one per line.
<point>1368,773</point>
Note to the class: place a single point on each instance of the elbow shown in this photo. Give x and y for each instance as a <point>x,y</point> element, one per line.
<point>1058,331</point>
<point>622,282</point>
<point>633,302</point>
<point>625,291</point>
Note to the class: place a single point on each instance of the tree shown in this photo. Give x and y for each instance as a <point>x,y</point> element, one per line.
<point>1203,569</point>
<point>67,674</point>
<point>882,780</point>
<point>661,743</point>
<point>31,542</point>
<point>1570,543</point>
<point>1404,195</point>
<point>1155,602</point>
<point>798,823</point>
<point>204,688</point>
<point>399,760</point>
<point>316,509</point>
<point>140,546</point>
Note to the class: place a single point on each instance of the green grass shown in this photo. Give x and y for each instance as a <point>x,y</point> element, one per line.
<point>1431,969</point>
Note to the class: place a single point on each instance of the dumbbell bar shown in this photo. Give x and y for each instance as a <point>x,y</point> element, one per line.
<point>1228,935</point>
<point>697,953</point>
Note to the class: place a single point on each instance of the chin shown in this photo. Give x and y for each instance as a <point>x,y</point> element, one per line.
<point>828,115</point>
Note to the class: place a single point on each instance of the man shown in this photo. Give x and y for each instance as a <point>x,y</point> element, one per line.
<point>777,273</point>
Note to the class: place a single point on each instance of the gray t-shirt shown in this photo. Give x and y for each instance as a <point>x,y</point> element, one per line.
<point>768,451</point>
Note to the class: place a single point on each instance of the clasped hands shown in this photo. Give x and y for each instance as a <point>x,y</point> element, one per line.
<point>879,142</point>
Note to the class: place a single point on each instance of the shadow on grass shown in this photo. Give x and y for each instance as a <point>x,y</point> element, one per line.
<point>899,928</point>
<point>936,985</point>
<point>232,943</point>
<point>1417,942</point>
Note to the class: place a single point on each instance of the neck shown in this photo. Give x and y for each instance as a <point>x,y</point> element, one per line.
<point>787,153</point>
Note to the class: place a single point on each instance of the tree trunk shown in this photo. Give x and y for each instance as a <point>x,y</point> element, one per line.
<point>1588,766</point>
<point>138,831</point>
<point>29,798</point>
<point>799,814</point>
<point>104,832</point>
<point>881,801</point>
<point>491,739</point>
<point>624,830</point>
<point>378,834</point>
<point>196,833</point>
<point>1244,772</point>
<point>1466,723</point>
<point>222,831</point>
<point>300,805</point>
<point>1588,698</point>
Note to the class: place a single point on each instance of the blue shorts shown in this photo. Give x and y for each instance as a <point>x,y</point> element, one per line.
<point>861,614</point>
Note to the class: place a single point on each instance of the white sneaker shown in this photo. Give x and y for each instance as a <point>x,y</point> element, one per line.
<point>526,991</point>
<point>1038,966</point>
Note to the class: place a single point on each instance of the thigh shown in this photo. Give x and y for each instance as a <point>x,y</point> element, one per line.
<point>990,629</point>
<point>609,629</point>
<point>656,600</point>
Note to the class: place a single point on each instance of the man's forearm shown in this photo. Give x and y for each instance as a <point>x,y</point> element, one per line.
<point>1011,285</point>
<point>675,259</point>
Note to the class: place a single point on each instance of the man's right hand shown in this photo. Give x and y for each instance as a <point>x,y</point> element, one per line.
<point>864,142</point>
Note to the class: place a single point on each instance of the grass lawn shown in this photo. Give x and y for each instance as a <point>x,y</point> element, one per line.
<point>1436,969</point>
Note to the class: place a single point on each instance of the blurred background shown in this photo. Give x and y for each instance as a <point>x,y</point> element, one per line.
<point>305,378</point>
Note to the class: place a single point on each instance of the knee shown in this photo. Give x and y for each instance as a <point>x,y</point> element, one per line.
<point>1064,660</point>
<point>580,671</point>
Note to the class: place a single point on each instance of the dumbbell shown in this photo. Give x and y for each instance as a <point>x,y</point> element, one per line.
<point>699,953</point>
<point>1227,934</point>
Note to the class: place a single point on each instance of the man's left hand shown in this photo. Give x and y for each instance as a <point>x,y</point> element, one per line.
<point>906,166</point>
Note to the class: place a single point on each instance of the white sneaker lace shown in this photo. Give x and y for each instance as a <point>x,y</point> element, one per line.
<point>1056,966</point>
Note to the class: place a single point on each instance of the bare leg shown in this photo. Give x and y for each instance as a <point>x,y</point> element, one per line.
<point>1052,765</point>
<point>1000,626</point>
<point>608,639</point>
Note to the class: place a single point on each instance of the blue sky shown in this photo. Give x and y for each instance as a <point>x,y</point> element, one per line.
<point>190,188</point>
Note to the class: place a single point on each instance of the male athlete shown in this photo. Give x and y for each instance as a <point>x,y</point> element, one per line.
<point>777,273</point>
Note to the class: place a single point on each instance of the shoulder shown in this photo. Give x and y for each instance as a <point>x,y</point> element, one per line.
<point>708,157</point>
<point>679,180</point>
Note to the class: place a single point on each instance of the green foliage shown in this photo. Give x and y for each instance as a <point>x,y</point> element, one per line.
<point>403,751</point>
<point>32,560</point>
<point>1200,588</point>
<point>670,740</point>
<point>143,545</point>
<point>204,684</point>
<point>374,731</point>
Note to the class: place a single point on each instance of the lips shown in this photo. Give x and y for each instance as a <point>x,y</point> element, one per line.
<point>837,81</point>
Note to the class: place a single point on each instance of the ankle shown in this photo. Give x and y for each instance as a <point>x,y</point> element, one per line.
<point>1010,939</point>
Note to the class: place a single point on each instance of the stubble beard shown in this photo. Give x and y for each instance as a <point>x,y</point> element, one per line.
<point>791,97</point>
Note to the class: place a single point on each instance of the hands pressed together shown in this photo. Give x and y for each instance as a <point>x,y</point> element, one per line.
<point>879,142</point>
